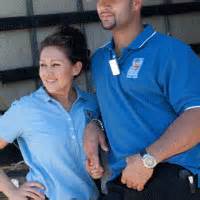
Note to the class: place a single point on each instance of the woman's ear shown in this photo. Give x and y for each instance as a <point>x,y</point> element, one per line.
<point>77,67</point>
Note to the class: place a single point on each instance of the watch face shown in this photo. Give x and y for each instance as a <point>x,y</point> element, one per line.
<point>149,161</point>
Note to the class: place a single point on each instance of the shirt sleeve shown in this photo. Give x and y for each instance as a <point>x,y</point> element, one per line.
<point>10,123</point>
<point>92,108</point>
<point>181,78</point>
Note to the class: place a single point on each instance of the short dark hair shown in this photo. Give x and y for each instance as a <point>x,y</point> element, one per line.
<point>72,42</point>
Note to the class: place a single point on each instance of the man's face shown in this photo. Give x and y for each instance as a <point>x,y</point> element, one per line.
<point>115,14</point>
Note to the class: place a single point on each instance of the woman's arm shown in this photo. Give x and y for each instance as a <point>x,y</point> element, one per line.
<point>5,184</point>
<point>21,193</point>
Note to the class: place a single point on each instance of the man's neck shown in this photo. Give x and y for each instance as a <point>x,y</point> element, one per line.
<point>122,38</point>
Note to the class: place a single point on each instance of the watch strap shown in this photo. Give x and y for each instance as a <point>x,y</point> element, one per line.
<point>143,152</point>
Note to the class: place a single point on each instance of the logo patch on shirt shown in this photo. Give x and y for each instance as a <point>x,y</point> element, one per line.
<point>135,68</point>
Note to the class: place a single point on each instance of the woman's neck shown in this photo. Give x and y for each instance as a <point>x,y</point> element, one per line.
<point>67,99</point>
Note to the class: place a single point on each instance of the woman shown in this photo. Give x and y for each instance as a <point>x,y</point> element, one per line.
<point>49,125</point>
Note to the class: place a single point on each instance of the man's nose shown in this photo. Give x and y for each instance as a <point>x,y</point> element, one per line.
<point>103,3</point>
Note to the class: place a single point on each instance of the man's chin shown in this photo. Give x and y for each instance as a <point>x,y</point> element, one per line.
<point>108,26</point>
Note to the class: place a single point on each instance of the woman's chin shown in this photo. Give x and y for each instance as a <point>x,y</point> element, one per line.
<point>51,90</point>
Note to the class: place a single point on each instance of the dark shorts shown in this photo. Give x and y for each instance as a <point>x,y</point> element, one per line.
<point>169,182</point>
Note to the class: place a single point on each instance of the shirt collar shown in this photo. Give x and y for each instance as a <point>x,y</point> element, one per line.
<point>46,97</point>
<point>147,33</point>
<point>42,93</point>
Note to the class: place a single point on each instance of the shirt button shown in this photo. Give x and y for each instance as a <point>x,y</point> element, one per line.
<point>73,137</point>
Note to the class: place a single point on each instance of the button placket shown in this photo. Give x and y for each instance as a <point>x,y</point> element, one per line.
<point>71,129</point>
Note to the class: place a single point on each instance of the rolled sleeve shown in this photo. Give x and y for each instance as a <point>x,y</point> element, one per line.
<point>91,108</point>
<point>10,123</point>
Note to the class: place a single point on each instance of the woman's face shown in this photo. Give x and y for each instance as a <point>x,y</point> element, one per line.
<point>56,70</point>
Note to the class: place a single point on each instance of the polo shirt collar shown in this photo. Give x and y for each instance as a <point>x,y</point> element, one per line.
<point>147,33</point>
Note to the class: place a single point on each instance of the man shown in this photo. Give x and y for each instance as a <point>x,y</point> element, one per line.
<point>147,86</point>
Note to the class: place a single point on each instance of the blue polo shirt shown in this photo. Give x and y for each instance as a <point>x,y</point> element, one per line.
<point>51,142</point>
<point>159,79</point>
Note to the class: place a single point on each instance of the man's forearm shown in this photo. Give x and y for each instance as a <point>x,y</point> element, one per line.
<point>182,135</point>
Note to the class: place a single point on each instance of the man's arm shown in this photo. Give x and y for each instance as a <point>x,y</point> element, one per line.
<point>93,140</point>
<point>182,135</point>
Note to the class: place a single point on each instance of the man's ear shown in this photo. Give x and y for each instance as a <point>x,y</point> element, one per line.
<point>137,4</point>
<point>77,67</point>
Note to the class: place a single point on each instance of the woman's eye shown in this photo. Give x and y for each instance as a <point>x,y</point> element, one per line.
<point>56,65</point>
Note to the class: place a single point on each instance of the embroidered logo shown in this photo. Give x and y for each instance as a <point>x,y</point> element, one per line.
<point>135,68</point>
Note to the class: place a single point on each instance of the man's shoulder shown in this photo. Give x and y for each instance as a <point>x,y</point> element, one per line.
<point>168,45</point>
<point>101,50</point>
<point>169,40</point>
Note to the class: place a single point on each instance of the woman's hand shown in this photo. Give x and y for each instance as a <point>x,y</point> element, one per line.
<point>28,190</point>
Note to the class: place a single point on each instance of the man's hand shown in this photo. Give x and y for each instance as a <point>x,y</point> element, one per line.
<point>93,138</point>
<point>28,190</point>
<point>136,175</point>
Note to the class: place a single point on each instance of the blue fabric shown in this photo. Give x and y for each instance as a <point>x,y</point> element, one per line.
<point>51,141</point>
<point>159,79</point>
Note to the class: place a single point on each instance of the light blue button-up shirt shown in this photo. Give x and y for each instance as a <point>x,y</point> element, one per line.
<point>51,142</point>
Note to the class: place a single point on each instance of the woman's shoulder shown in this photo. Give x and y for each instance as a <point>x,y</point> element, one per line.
<point>26,100</point>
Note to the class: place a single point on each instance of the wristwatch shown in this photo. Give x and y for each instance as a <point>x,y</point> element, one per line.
<point>149,161</point>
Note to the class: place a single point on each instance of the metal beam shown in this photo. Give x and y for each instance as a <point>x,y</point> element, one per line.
<point>80,8</point>
<point>171,9</point>
<point>19,74</point>
<point>33,34</point>
<point>37,21</point>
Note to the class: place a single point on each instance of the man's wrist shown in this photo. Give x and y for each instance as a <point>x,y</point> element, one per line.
<point>149,161</point>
